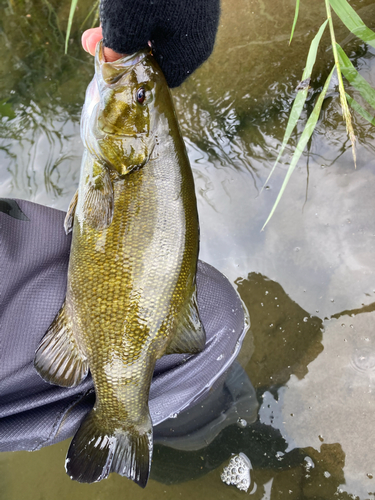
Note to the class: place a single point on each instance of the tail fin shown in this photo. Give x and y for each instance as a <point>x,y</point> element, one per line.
<point>95,452</point>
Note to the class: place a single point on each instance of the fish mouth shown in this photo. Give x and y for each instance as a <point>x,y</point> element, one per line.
<point>127,60</point>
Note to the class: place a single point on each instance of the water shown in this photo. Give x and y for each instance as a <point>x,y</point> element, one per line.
<point>307,280</point>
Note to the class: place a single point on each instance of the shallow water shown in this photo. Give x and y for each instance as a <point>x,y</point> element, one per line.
<point>307,279</point>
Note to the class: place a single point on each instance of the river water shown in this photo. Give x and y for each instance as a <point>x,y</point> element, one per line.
<point>307,280</point>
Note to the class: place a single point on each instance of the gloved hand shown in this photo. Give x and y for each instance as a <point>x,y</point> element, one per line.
<point>181,33</point>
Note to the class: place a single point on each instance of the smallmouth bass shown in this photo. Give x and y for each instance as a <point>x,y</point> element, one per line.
<point>131,293</point>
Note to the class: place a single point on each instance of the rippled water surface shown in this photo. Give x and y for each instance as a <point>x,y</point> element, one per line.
<point>307,280</point>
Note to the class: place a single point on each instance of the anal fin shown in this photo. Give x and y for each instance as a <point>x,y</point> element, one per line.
<point>190,336</point>
<point>58,359</point>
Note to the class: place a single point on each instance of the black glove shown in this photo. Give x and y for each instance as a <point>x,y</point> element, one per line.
<point>182,32</point>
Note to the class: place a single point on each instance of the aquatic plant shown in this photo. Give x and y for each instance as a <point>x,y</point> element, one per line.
<point>343,66</point>
<point>41,95</point>
<point>93,12</point>
<point>44,75</point>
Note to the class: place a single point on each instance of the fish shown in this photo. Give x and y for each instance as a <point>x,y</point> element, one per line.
<point>131,287</point>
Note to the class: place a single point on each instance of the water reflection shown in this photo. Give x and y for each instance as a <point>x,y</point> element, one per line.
<point>286,337</point>
<point>336,402</point>
<point>44,142</point>
<point>291,343</point>
<point>301,445</point>
<point>40,102</point>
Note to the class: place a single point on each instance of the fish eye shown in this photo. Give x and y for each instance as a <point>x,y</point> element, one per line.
<point>141,95</point>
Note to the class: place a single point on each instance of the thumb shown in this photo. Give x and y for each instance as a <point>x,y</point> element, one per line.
<point>91,38</point>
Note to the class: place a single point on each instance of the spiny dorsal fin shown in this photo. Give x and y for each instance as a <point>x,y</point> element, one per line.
<point>190,336</point>
<point>98,201</point>
<point>69,218</point>
<point>58,358</point>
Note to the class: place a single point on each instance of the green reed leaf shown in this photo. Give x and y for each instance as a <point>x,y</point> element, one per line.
<point>300,99</point>
<point>73,6</point>
<point>96,18</point>
<point>295,21</point>
<point>352,21</point>
<point>357,107</point>
<point>306,134</point>
<point>344,103</point>
<point>95,8</point>
<point>353,77</point>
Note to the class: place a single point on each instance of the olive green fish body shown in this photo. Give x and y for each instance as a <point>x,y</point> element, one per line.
<point>132,279</point>
<point>131,295</point>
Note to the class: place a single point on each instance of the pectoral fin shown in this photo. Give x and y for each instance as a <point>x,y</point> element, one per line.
<point>99,201</point>
<point>190,336</point>
<point>69,218</point>
<point>58,358</point>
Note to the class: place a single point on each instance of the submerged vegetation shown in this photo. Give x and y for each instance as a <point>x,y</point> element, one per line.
<point>343,66</point>
<point>231,117</point>
<point>41,93</point>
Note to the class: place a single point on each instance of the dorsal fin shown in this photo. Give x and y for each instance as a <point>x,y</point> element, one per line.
<point>190,336</point>
<point>58,358</point>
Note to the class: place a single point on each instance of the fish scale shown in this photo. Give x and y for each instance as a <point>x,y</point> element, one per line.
<point>131,294</point>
